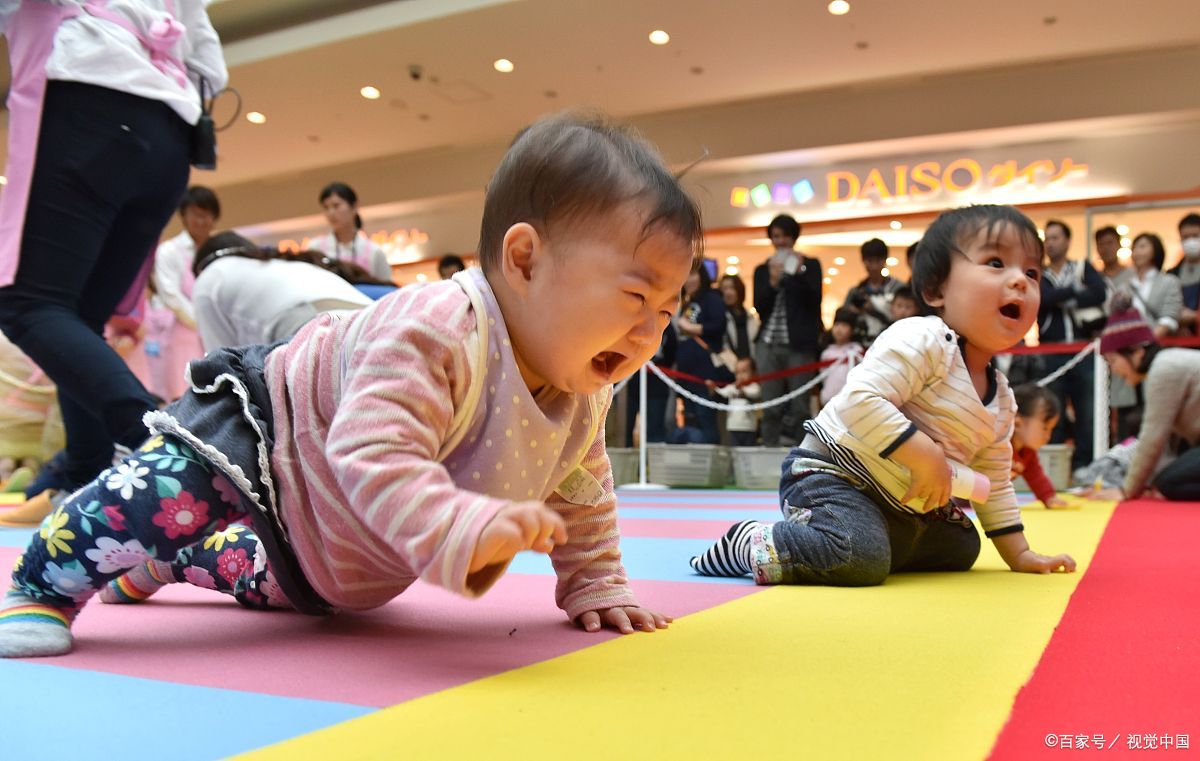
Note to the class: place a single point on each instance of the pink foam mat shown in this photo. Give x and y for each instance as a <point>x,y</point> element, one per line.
<point>673,529</point>
<point>426,640</point>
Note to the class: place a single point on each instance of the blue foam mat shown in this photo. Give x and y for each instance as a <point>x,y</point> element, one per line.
<point>108,716</point>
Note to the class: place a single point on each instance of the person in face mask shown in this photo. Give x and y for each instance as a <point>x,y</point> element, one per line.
<point>1188,272</point>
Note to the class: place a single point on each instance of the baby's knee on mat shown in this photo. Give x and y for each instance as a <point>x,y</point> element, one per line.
<point>860,572</point>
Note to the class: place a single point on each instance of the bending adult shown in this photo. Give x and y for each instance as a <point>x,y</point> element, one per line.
<point>1172,396</point>
<point>101,111</point>
<point>346,240</point>
<point>248,295</point>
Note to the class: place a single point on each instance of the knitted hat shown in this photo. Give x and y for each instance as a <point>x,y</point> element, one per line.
<point>1125,329</point>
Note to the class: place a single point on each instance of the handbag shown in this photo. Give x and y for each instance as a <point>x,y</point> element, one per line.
<point>202,151</point>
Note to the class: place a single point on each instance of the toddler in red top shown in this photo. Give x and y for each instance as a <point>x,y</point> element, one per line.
<point>1037,414</point>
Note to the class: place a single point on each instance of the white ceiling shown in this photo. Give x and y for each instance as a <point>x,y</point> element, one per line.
<point>587,52</point>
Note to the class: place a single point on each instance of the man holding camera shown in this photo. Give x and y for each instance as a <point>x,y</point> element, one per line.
<point>872,298</point>
<point>787,297</point>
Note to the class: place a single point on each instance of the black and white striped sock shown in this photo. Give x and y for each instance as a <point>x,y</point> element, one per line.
<point>730,555</point>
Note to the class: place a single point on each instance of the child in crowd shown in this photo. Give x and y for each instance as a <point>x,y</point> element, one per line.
<point>867,493</point>
<point>843,347</point>
<point>434,434</point>
<point>741,423</point>
<point>1037,414</point>
<point>904,304</point>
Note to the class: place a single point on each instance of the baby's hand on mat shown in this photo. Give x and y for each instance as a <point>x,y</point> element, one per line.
<point>1054,502</point>
<point>625,619</point>
<point>520,526</point>
<point>1031,562</point>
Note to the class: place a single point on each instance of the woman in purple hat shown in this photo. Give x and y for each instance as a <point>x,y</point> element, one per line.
<point>1171,390</point>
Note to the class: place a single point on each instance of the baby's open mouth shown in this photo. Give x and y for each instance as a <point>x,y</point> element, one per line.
<point>1011,311</point>
<point>607,362</point>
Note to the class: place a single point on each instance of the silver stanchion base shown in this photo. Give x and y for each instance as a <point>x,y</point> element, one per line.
<point>643,486</point>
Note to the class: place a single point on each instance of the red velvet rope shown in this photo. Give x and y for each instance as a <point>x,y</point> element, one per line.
<point>1073,347</point>
<point>1077,346</point>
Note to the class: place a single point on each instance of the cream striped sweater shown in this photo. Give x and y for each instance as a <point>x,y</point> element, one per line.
<point>914,378</point>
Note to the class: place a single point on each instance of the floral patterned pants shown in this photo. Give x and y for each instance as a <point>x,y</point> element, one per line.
<point>163,502</point>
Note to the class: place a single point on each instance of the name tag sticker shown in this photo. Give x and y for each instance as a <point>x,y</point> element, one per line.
<point>581,488</point>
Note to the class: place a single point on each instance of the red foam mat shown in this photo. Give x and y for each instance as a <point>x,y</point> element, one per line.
<point>1123,666</point>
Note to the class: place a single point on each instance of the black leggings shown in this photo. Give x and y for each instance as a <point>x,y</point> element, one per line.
<point>1180,481</point>
<point>110,170</point>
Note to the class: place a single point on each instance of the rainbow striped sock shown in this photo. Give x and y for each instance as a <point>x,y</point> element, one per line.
<point>138,583</point>
<point>29,628</point>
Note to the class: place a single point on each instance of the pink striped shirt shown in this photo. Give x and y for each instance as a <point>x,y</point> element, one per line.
<point>368,406</point>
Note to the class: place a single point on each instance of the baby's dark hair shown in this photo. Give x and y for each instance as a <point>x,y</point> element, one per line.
<point>1036,401</point>
<point>952,232</point>
<point>906,294</point>
<point>573,168</point>
<point>229,243</point>
<point>753,364</point>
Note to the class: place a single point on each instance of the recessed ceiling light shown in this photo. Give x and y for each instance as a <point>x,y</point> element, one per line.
<point>369,92</point>
<point>892,261</point>
<point>255,117</point>
<point>422,277</point>
<point>832,270</point>
<point>1122,229</point>
<point>885,272</point>
<point>895,224</point>
<point>840,261</point>
<point>3,180</point>
<point>839,7</point>
<point>828,280</point>
<point>659,37</point>
<point>503,65</point>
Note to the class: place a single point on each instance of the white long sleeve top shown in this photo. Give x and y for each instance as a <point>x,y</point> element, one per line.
<point>238,300</point>
<point>99,52</point>
<point>914,378</point>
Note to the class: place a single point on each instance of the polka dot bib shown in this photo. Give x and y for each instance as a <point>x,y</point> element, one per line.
<point>516,446</point>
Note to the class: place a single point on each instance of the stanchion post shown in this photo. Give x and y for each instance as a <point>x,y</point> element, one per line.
<point>642,482</point>
<point>1100,416</point>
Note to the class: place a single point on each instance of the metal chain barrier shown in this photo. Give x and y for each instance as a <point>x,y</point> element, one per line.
<point>748,407</point>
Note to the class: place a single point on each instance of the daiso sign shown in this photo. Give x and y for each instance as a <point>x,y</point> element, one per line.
<point>961,178</point>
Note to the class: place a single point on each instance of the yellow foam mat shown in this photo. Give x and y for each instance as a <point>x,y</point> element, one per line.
<point>924,667</point>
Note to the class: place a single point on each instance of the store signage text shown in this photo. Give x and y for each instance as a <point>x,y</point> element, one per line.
<point>910,182</point>
<point>394,240</point>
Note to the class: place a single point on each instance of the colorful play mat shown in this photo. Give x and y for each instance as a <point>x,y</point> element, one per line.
<point>1103,663</point>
